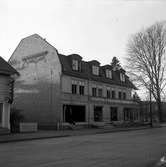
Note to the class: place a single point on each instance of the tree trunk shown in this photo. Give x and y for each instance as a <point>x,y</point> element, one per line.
<point>159,106</point>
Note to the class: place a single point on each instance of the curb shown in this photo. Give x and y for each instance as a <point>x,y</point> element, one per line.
<point>68,135</point>
<point>33,138</point>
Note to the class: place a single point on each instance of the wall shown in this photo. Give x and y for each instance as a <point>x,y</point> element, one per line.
<point>67,81</point>
<point>4,88</point>
<point>90,102</point>
<point>5,95</point>
<point>37,89</point>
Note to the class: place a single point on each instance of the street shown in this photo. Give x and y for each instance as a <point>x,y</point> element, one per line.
<point>141,148</point>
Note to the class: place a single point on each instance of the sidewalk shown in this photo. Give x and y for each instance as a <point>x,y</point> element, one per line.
<point>62,133</point>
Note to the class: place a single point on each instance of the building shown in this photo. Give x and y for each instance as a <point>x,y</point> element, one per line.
<point>7,76</point>
<point>56,89</point>
<point>145,114</point>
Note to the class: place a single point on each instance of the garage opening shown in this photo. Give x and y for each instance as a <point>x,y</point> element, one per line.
<point>73,113</point>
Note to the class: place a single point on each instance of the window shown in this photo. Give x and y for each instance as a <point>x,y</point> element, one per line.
<point>108,73</point>
<point>127,113</point>
<point>135,115</point>
<point>81,90</point>
<point>74,89</point>
<point>108,94</point>
<point>75,65</point>
<point>100,92</point>
<point>95,70</point>
<point>122,77</point>
<point>94,92</point>
<point>120,95</point>
<point>113,94</point>
<point>98,114</point>
<point>124,95</point>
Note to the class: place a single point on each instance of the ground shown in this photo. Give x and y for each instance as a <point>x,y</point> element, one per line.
<point>141,148</point>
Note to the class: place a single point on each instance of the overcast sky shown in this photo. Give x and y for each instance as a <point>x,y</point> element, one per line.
<point>95,29</point>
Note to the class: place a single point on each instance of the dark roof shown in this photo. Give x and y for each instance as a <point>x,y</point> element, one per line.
<point>6,68</point>
<point>86,73</point>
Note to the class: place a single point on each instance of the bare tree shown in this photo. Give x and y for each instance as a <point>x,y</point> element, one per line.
<point>147,60</point>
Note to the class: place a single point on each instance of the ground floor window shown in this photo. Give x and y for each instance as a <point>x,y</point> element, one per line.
<point>98,113</point>
<point>73,113</point>
<point>130,114</point>
<point>113,113</point>
<point>1,108</point>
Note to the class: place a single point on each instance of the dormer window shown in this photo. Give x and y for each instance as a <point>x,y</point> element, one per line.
<point>75,64</point>
<point>108,73</point>
<point>95,70</point>
<point>122,77</point>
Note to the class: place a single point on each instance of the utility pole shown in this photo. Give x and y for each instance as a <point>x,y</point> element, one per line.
<point>150,107</point>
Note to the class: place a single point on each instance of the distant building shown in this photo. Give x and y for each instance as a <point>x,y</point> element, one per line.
<point>54,88</point>
<point>7,75</point>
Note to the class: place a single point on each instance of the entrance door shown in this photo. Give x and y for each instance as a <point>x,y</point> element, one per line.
<point>1,108</point>
<point>113,114</point>
<point>98,114</point>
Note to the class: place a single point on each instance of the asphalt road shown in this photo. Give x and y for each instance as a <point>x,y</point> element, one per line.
<point>141,148</point>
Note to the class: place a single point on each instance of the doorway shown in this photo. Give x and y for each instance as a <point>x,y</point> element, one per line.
<point>1,109</point>
<point>98,113</point>
<point>113,114</point>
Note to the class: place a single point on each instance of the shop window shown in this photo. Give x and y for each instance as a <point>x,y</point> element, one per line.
<point>74,113</point>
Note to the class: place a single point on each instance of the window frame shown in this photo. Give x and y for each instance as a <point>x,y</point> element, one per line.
<point>74,88</point>
<point>108,94</point>
<point>75,65</point>
<point>122,77</point>
<point>113,94</point>
<point>81,89</point>
<point>95,70</point>
<point>120,95</point>
<point>108,73</point>
<point>124,95</point>
<point>94,91</point>
<point>100,92</point>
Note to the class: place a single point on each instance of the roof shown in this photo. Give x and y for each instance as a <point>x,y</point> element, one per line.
<point>86,73</point>
<point>6,68</point>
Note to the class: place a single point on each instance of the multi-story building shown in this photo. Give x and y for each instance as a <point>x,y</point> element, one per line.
<point>54,88</point>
